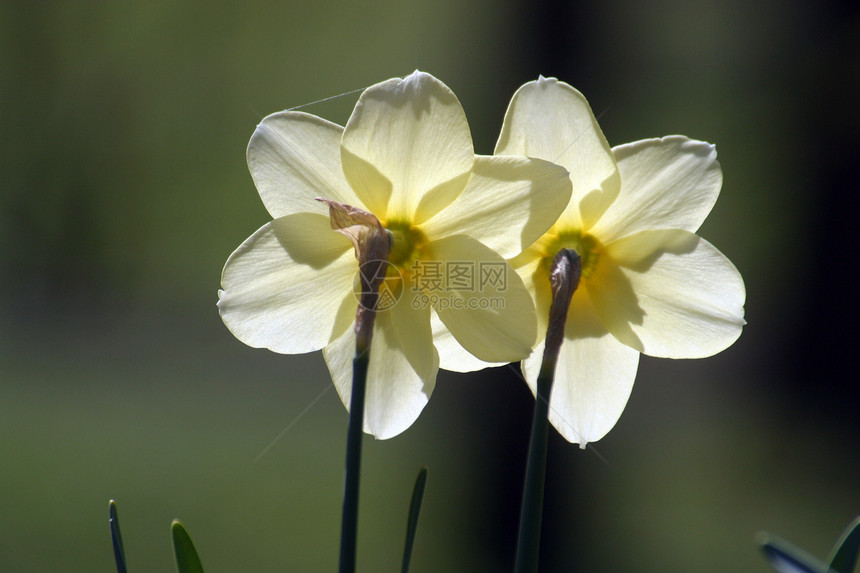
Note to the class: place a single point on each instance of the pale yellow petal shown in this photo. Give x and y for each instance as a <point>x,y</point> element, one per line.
<point>550,120</point>
<point>484,302</point>
<point>402,370</point>
<point>669,293</point>
<point>668,183</point>
<point>593,377</point>
<point>411,324</point>
<point>508,203</point>
<point>534,273</point>
<point>452,355</point>
<point>295,157</point>
<point>407,149</point>
<point>288,286</point>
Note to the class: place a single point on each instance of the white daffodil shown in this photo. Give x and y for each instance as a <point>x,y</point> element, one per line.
<point>649,284</point>
<point>406,158</point>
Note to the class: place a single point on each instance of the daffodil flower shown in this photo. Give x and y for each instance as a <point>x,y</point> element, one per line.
<point>406,158</point>
<point>649,284</point>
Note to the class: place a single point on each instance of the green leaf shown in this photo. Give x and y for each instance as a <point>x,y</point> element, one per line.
<point>186,556</point>
<point>116,537</point>
<point>786,558</point>
<point>412,520</point>
<point>844,556</point>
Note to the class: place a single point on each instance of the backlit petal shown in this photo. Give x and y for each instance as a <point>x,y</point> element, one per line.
<point>294,157</point>
<point>593,377</point>
<point>402,370</point>
<point>407,149</point>
<point>549,119</point>
<point>668,183</point>
<point>452,355</point>
<point>508,203</point>
<point>669,293</point>
<point>493,316</point>
<point>534,272</point>
<point>288,287</point>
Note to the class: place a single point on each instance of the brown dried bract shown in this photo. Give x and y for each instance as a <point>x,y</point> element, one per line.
<point>372,245</point>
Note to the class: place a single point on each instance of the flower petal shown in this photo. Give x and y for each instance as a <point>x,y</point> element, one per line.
<point>491,314</point>
<point>295,157</point>
<point>668,183</point>
<point>407,149</point>
<point>452,355</point>
<point>508,203</point>
<point>593,377</point>
<point>402,370</point>
<point>288,287</point>
<point>669,293</point>
<point>534,272</point>
<point>549,119</point>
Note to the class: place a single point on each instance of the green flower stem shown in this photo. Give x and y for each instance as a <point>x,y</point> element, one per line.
<point>349,524</point>
<point>564,277</point>
<point>372,251</point>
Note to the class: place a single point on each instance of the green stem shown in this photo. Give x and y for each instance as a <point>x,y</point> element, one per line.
<point>372,245</point>
<point>372,274</point>
<point>564,277</point>
<point>528,542</point>
<point>349,524</point>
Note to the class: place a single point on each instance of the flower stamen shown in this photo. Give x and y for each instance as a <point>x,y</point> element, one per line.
<point>585,245</point>
<point>407,243</point>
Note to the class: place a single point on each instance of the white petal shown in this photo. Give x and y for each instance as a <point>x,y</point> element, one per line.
<point>669,183</point>
<point>402,370</point>
<point>485,304</point>
<point>295,157</point>
<point>288,287</point>
<point>452,355</point>
<point>549,119</point>
<point>508,203</point>
<point>669,293</point>
<point>407,149</point>
<point>593,377</point>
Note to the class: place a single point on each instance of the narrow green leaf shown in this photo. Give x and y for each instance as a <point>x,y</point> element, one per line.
<point>844,556</point>
<point>186,556</point>
<point>116,537</point>
<point>786,558</point>
<point>412,520</point>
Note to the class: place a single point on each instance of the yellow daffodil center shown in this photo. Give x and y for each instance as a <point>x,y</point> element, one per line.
<point>587,246</point>
<point>407,242</point>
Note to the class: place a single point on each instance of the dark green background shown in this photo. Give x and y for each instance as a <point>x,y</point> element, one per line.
<point>123,189</point>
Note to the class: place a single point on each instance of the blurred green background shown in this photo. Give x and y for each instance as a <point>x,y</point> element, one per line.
<point>123,189</point>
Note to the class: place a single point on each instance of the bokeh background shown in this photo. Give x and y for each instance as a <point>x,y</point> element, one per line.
<point>123,189</point>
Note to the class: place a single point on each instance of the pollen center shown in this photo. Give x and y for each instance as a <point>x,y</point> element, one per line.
<point>406,244</point>
<point>587,247</point>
